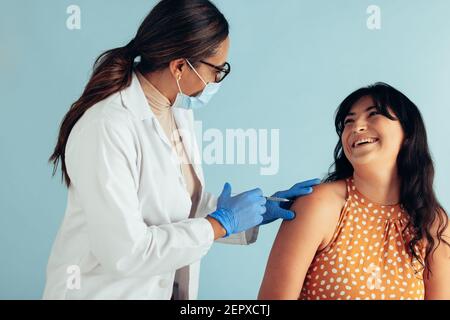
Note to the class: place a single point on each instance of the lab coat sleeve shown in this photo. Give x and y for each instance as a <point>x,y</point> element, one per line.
<point>208,204</point>
<point>102,166</point>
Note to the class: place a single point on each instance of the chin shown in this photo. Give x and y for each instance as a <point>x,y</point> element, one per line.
<point>364,160</point>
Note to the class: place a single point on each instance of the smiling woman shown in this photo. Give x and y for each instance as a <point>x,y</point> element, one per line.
<point>375,230</point>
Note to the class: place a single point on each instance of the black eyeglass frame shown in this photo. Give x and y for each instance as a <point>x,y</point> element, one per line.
<point>226,69</point>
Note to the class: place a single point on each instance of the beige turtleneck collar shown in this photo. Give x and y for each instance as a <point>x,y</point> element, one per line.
<point>157,101</point>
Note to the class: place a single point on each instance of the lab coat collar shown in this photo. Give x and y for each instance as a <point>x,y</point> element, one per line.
<point>134,99</point>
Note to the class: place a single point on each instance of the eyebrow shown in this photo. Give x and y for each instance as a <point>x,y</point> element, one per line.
<point>368,109</point>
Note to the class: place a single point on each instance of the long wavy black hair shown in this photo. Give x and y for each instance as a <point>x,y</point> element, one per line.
<point>414,165</point>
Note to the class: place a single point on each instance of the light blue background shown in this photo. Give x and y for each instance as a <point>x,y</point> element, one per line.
<point>293,62</point>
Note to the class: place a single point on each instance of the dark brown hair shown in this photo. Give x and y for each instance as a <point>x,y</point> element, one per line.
<point>174,29</point>
<point>414,165</point>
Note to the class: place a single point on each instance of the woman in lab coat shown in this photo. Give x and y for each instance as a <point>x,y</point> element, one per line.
<point>138,219</point>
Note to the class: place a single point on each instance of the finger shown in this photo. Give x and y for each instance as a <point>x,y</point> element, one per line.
<point>257,209</point>
<point>257,205</point>
<point>308,183</point>
<point>286,214</point>
<point>259,219</point>
<point>263,209</point>
<point>263,201</point>
<point>302,191</point>
<point>299,189</point>
<point>286,205</point>
<point>293,193</point>
<point>226,192</point>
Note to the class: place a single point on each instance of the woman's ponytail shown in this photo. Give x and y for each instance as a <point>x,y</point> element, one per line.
<point>112,72</point>
<point>174,29</point>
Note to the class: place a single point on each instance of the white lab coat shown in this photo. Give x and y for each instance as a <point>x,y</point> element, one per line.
<point>127,226</point>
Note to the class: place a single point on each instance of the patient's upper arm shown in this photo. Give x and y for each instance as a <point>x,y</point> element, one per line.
<point>437,286</point>
<point>297,242</point>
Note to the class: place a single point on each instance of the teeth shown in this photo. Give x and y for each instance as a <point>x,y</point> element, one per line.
<point>365,140</point>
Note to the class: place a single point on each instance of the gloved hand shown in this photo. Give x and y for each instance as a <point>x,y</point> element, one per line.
<point>276,210</point>
<point>241,212</point>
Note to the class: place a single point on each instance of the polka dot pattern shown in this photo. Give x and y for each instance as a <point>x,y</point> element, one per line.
<point>368,258</point>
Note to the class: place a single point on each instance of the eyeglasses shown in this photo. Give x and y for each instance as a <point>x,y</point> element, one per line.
<point>222,71</point>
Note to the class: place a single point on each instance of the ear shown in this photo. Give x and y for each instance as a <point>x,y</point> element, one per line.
<point>177,67</point>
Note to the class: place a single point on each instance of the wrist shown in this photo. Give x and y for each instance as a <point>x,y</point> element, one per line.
<point>219,230</point>
<point>221,216</point>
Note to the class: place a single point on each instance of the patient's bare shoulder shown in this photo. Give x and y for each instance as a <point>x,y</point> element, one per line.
<point>298,241</point>
<point>326,196</point>
<point>324,206</point>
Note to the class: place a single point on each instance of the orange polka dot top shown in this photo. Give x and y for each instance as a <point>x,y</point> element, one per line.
<point>368,257</point>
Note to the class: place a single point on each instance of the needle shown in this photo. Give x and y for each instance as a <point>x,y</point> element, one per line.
<point>269,198</point>
<point>277,199</point>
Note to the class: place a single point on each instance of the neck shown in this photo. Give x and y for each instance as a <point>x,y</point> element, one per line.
<point>164,82</point>
<point>381,186</point>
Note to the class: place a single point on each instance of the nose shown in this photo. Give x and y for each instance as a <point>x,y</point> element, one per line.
<point>359,125</point>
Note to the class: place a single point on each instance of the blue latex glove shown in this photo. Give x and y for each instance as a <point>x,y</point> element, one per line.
<point>276,210</point>
<point>241,212</point>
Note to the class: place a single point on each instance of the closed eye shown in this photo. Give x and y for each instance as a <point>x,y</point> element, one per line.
<point>347,121</point>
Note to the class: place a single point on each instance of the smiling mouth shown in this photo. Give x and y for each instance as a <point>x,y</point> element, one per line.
<point>364,142</point>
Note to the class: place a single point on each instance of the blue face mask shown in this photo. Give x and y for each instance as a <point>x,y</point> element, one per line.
<point>187,102</point>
